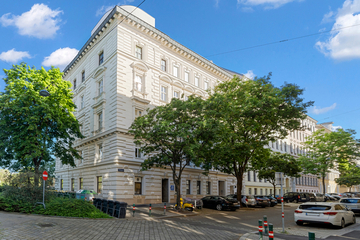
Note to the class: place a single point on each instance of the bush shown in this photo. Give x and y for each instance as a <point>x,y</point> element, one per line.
<point>55,207</point>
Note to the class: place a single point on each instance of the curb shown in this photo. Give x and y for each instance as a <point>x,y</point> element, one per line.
<point>246,235</point>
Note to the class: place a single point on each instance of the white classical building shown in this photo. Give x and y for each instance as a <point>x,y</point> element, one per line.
<point>125,67</point>
<point>292,144</point>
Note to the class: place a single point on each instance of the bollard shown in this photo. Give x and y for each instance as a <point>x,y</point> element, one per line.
<point>271,232</point>
<point>164,208</point>
<point>265,226</point>
<point>134,210</point>
<point>260,230</point>
<point>311,236</point>
<point>150,210</point>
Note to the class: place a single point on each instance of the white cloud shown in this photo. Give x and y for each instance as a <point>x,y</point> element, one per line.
<point>266,3</point>
<point>14,56</point>
<point>39,22</point>
<point>217,3</point>
<point>318,111</point>
<point>60,58</point>
<point>335,128</point>
<point>247,9</point>
<point>328,17</point>
<point>250,74</point>
<point>101,11</point>
<point>344,44</point>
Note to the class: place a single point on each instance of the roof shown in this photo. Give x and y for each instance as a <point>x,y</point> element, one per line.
<point>131,17</point>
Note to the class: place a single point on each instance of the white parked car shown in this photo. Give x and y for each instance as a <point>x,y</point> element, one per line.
<point>327,213</point>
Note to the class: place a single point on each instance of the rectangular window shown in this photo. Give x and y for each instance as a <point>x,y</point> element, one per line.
<point>176,71</point>
<point>255,191</point>
<point>74,84</point>
<point>72,184</point>
<point>281,145</point>
<point>62,184</point>
<point>249,176</point>
<point>186,76</point>
<point>100,152</point>
<point>138,83</point>
<point>254,176</point>
<point>138,52</point>
<point>186,98</point>
<point>176,94</point>
<point>138,185</point>
<point>285,147</point>
<point>163,65</point>
<point>101,58</point>
<point>81,183</point>
<point>206,85</point>
<point>277,144</point>
<point>270,191</point>
<point>163,93</point>
<point>249,191</point>
<point>196,81</point>
<point>208,187</point>
<point>99,185</point>
<point>137,151</point>
<point>266,192</point>
<point>83,76</point>
<point>138,113</point>
<point>198,187</point>
<point>100,86</point>
<point>100,121</point>
<point>80,153</point>
<point>82,156</point>
<point>82,102</point>
<point>188,183</point>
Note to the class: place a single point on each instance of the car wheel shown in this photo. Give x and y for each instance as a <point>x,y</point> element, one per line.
<point>299,223</point>
<point>342,224</point>
<point>296,201</point>
<point>263,206</point>
<point>233,209</point>
<point>218,207</point>
<point>354,219</point>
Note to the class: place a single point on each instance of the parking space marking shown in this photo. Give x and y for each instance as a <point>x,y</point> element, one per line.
<point>218,221</point>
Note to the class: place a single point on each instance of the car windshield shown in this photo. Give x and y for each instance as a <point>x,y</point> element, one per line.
<point>250,197</point>
<point>314,207</point>
<point>350,201</point>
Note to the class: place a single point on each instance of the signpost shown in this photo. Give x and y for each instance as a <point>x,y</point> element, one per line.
<point>279,181</point>
<point>45,177</point>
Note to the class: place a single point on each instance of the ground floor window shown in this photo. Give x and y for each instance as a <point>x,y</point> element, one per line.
<point>208,187</point>
<point>138,185</point>
<point>198,187</point>
<point>270,191</point>
<point>266,192</point>
<point>61,184</point>
<point>81,183</point>
<point>255,191</point>
<point>72,184</point>
<point>99,184</point>
<point>249,191</point>
<point>188,183</point>
<point>261,191</point>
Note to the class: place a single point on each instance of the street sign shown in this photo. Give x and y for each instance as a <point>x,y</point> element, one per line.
<point>172,187</point>
<point>45,175</point>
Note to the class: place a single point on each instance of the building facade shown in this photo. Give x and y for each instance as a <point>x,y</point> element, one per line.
<point>126,67</point>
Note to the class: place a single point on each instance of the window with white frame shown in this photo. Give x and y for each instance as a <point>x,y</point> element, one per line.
<point>208,187</point>
<point>100,151</point>
<point>277,144</point>
<point>99,184</point>
<point>138,185</point>
<point>176,71</point>
<point>281,145</point>
<point>163,65</point>
<point>72,184</point>
<point>249,191</point>
<point>176,94</point>
<point>100,86</point>
<point>206,85</point>
<point>186,76</point>
<point>137,151</point>
<point>138,52</point>
<point>82,102</point>
<point>163,93</point>
<point>198,187</point>
<point>81,183</point>
<point>186,98</point>
<point>138,83</point>
<point>101,58</point>
<point>188,185</point>
<point>196,81</point>
<point>83,76</point>
<point>249,176</point>
<point>100,121</point>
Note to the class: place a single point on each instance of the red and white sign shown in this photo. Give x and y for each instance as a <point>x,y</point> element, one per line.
<point>45,175</point>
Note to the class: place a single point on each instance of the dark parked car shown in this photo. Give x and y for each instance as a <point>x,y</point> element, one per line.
<point>262,201</point>
<point>296,197</point>
<point>273,201</point>
<point>310,197</point>
<point>220,203</point>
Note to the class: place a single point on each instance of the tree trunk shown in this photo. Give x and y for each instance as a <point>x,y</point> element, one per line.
<point>239,183</point>
<point>37,174</point>
<point>323,182</point>
<point>274,189</point>
<point>178,191</point>
<point>350,189</point>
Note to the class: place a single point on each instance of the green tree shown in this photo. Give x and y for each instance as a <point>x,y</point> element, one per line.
<point>34,130</point>
<point>250,113</point>
<point>277,162</point>
<point>172,135</point>
<point>327,151</point>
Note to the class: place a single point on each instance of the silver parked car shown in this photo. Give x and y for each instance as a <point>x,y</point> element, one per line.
<point>319,197</point>
<point>352,203</point>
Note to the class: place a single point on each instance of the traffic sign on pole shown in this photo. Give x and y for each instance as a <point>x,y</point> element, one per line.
<point>45,175</point>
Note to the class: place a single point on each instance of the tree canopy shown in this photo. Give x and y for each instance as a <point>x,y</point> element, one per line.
<point>250,113</point>
<point>34,130</point>
<point>328,151</point>
<point>171,136</point>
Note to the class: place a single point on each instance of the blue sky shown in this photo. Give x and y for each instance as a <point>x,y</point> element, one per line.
<point>326,65</point>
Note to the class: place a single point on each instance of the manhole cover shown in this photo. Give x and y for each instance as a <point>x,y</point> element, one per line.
<point>44,225</point>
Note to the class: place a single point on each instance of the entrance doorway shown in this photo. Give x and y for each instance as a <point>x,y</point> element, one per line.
<point>165,190</point>
<point>221,188</point>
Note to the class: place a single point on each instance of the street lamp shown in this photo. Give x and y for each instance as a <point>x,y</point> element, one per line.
<point>44,93</point>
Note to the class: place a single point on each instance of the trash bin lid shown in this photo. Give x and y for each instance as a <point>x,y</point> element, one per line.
<point>88,191</point>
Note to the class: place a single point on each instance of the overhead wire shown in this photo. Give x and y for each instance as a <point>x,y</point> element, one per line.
<point>281,41</point>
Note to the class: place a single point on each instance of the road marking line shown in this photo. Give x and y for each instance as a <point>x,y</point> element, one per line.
<point>344,237</point>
